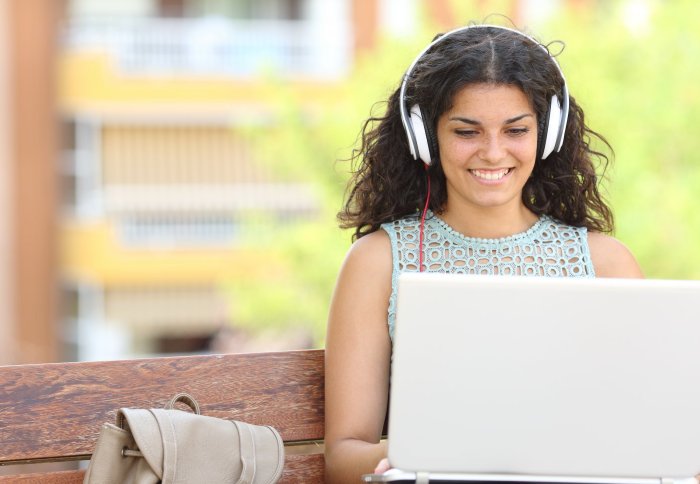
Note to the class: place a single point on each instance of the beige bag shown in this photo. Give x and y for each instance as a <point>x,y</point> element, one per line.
<point>149,446</point>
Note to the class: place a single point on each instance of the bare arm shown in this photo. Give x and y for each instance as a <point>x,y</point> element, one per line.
<point>358,359</point>
<point>611,258</point>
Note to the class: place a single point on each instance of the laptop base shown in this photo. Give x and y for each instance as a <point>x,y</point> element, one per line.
<point>398,476</point>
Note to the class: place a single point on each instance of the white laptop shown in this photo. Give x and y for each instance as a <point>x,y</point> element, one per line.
<point>544,380</point>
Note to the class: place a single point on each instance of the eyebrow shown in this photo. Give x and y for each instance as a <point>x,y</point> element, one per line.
<point>474,122</point>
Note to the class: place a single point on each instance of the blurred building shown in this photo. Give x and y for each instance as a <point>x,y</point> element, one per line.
<point>159,180</point>
<point>28,145</point>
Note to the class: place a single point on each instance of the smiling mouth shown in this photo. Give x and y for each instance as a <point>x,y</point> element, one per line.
<point>491,174</point>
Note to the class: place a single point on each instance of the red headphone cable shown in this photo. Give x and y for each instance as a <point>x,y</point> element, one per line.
<point>422,224</point>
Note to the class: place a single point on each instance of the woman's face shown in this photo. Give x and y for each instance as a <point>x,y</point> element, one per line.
<point>488,146</point>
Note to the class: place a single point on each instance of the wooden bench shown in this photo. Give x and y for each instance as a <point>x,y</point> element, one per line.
<point>53,412</point>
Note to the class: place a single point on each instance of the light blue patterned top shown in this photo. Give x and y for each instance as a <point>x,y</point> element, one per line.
<point>548,248</point>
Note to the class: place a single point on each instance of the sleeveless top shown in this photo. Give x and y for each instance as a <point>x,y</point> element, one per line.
<point>548,248</point>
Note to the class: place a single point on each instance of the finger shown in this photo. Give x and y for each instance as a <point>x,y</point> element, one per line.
<point>384,466</point>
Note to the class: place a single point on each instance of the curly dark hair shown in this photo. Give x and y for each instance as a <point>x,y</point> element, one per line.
<point>388,184</point>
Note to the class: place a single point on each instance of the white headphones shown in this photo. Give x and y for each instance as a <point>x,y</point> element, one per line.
<point>421,140</point>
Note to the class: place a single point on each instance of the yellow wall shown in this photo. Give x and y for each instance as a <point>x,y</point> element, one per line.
<point>93,254</point>
<point>92,79</point>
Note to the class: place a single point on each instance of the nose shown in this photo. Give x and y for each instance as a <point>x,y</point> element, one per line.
<point>492,149</point>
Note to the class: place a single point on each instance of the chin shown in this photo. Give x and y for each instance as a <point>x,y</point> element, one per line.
<point>489,203</point>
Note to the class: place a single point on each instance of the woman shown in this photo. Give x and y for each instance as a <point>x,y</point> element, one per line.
<point>505,183</point>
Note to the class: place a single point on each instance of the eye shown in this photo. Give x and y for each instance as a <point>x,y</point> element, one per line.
<point>466,133</point>
<point>520,131</point>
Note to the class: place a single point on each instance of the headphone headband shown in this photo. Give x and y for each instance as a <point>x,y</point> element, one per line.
<point>418,134</point>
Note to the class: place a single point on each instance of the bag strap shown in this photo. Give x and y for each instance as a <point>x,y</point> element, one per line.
<point>247,449</point>
<point>167,432</point>
<point>185,398</point>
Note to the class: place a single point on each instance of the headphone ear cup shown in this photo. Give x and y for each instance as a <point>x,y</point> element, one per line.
<point>432,143</point>
<point>422,135</point>
<point>549,134</point>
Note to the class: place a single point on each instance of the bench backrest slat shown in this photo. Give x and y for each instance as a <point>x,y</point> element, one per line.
<point>297,468</point>
<point>55,411</point>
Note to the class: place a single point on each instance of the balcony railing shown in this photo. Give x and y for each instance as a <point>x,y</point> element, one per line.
<point>236,198</point>
<point>204,216</point>
<point>216,46</point>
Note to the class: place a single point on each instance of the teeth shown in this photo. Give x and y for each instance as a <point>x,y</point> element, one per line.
<point>490,175</point>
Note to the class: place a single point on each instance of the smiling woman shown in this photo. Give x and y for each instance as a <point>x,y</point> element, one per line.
<point>488,144</point>
<point>481,165</point>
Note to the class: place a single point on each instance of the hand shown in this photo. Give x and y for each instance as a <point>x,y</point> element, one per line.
<point>383,466</point>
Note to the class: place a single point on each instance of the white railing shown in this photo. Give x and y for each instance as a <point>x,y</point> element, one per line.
<point>203,216</point>
<point>122,200</point>
<point>216,46</point>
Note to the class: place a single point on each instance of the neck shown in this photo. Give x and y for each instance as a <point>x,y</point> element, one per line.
<point>489,222</point>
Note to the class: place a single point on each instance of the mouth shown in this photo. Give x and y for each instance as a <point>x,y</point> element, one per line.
<point>491,175</point>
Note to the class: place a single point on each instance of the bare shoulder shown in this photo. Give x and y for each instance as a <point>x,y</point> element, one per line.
<point>371,252</point>
<point>363,287</point>
<point>611,258</point>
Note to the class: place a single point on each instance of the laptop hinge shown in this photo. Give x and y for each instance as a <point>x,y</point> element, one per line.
<point>424,478</point>
<point>690,480</point>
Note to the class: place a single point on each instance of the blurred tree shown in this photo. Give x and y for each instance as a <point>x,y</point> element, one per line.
<point>312,140</point>
<point>631,64</point>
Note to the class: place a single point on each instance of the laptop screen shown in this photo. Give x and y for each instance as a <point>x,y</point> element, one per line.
<point>546,376</point>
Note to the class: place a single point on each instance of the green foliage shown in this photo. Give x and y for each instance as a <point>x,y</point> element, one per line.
<point>311,141</point>
<point>640,90</point>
